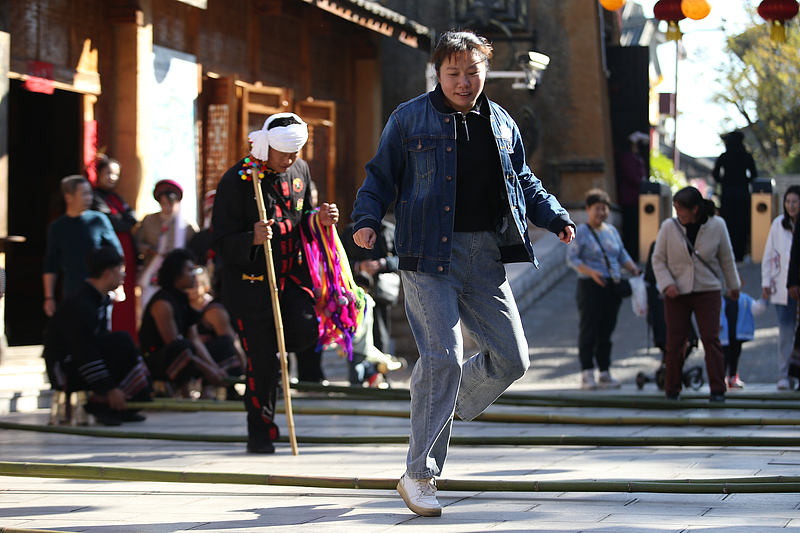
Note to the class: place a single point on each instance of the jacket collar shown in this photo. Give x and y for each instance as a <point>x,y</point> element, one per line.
<point>437,100</point>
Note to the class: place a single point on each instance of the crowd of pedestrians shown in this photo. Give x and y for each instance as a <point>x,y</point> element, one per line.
<point>160,306</point>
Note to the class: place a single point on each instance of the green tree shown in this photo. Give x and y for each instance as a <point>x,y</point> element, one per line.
<point>662,169</point>
<point>761,81</point>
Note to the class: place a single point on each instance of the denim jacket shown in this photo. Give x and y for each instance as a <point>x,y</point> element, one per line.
<point>416,166</point>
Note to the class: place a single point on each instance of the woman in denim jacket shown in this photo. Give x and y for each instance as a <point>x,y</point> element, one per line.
<point>454,164</point>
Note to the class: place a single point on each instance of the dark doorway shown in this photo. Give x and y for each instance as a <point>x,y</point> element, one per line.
<point>44,145</point>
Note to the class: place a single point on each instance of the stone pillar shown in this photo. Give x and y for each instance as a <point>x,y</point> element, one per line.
<point>133,64</point>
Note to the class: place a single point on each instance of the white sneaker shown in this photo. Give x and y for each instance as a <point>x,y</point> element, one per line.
<point>420,495</point>
<point>784,384</point>
<point>607,382</point>
<point>587,380</point>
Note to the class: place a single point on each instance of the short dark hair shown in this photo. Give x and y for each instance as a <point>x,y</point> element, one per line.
<point>459,42</point>
<point>172,267</point>
<point>594,196</point>
<point>70,184</point>
<point>98,260</point>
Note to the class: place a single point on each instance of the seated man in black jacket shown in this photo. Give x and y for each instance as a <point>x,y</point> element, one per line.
<point>84,355</point>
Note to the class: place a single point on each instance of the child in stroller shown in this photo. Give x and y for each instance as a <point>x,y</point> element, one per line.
<point>692,377</point>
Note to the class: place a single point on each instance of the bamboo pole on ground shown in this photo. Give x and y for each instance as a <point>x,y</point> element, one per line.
<point>772,484</point>
<point>540,440</point>
<point>740,399</point>
<point>276,313</point>
<point>508,418</point>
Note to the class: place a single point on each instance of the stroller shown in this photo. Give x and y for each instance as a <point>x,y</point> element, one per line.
<point>692,377</point>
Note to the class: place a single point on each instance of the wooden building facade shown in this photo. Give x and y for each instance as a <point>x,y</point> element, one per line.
<point>171,88</point>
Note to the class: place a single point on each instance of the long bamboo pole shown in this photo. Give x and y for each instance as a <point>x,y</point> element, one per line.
<point>340,393</point>
<point>509,418</point>
<point>772,484</point>
<point>540,440</point>
<point>736,399</point>
<point>276,313</point>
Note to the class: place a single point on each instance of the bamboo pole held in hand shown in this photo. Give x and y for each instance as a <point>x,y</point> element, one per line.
<point>276,313</point>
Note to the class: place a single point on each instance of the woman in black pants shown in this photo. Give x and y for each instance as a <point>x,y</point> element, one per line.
<point>597,254</point>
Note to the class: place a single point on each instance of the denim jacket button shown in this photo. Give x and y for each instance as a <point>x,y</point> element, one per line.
<point>449,149</point>
<point>446,208</point>
<point>448,178</point>
<point>440,269</point>
<point>447,120</point>
<point>444,239</point>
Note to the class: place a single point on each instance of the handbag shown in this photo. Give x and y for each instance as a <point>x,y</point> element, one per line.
<point>622,287</point>
<point>387,289</point>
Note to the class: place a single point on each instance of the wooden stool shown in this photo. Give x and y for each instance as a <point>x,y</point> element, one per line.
<point>67,409</point>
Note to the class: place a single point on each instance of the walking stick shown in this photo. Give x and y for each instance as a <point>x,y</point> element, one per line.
<point>276,312</point>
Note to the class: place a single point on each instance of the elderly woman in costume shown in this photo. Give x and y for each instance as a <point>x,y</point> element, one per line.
<point>160,233</point>
<point>238,235</point>
<point>453,162</point>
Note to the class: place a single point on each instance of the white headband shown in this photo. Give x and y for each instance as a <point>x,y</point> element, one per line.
<point>285,132</point>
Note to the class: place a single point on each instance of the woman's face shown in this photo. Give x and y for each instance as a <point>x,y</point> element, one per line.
<point>108,177</point>
<point>462,77</point>
<point>792,205</point>
<point>686,215</point>
<point>186,280</point>
<point>168,205</point>
<point>597,213</point>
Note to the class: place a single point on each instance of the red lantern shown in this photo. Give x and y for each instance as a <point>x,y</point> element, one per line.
<point>612,5</point>
<point>777,12</point>
<point>670,10</point>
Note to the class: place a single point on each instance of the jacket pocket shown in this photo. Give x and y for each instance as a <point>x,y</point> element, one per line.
<point>504,145</point>
<point>422,154</point>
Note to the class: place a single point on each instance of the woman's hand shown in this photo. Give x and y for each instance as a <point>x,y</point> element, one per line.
<point>365,238</point>
<point>766,293</point>
<point>262,231</point>
<point>597,276</point>
<point>794,292</point>
<point>672,291</point>
<point>328,214</point>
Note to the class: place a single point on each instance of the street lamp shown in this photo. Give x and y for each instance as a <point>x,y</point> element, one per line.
<point>533,66</point>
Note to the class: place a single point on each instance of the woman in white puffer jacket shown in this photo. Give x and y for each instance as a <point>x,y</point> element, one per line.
<point>774,268</point>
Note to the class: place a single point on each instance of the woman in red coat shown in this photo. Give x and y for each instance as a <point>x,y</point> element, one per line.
<point>122,218</point>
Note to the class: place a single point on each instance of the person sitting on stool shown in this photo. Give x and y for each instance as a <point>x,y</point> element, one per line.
<point>84,355</point>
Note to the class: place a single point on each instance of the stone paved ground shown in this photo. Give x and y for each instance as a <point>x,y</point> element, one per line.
<point>138,506</point>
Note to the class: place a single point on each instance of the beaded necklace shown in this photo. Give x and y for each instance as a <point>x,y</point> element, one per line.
<point>251,163</point>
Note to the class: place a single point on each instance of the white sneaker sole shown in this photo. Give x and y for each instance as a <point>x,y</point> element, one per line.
<point>422,511</point>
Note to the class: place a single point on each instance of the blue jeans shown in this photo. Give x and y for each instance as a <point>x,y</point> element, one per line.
<point>786,327</point>
<point>475,292</point>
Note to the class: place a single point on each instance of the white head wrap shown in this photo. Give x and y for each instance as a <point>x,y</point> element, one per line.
<point>285,132</point>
